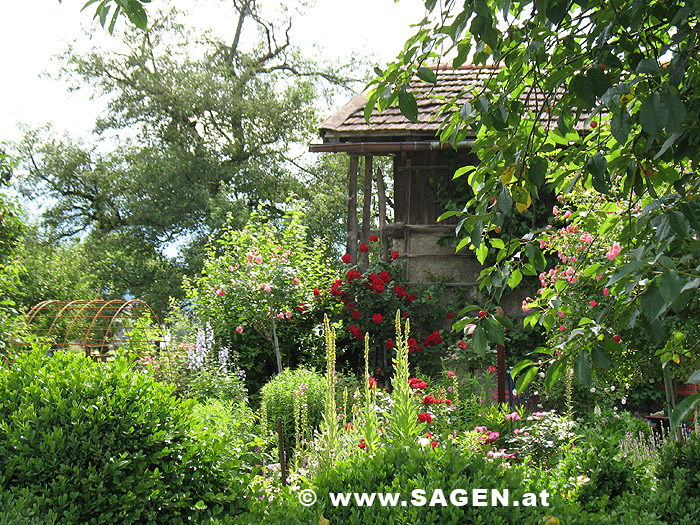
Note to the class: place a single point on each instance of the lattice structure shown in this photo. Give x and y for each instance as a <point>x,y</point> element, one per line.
<point>102,329</point>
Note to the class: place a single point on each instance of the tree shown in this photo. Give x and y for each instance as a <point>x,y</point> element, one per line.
<point>617,97</point>
<point>212,131</point>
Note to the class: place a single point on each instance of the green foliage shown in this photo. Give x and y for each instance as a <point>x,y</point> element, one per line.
<point>402,470</point>
<point>612,122</point>
<point>261,277</point>
<point>98,443</point>
<point>278,397</point>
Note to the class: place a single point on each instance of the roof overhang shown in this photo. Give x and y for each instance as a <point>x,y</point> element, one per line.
<point>388,148</point>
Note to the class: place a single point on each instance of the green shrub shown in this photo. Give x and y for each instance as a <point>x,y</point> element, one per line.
<point>405,469</point>
<point>84,442</point>
<point>278,396</point>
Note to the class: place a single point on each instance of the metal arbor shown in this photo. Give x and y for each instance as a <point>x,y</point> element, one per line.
<point>102,329</point>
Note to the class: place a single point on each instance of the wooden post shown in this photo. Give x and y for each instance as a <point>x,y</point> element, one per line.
<point>283,465</point>
<point>501,358</point>
<point>381,199</point>
<point>363,260</point>
<point>351,237</point>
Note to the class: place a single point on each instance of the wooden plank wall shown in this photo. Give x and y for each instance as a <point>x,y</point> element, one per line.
<point>417,175</point>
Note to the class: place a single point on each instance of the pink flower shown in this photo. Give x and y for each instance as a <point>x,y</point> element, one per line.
<point>258,259</point>
<point>295,281</point>
<point>567,214</point>
<point>613,252</point>
<point>480,429</point>
<point>220,292</point>
<point>562,328</point>
<point>606,292</point>
<point>288,314</point>
<point>267,288</point>
<point>451,374</point>
<point>249,257</point>
<point>513,416</point>
<point>560,314</point>
<point>593,303</point>
<point>230,268</point>
<point>239,329</point>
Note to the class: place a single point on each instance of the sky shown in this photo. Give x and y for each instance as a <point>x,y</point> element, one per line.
<point>33,32</point>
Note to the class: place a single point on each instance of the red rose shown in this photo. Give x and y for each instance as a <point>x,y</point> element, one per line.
<point>346,258</point>
<point>450,315</point>
<point>390,344</point>
<point>433,444</point>
<point>379,288</point>
<point>373,238</point>
<point>317,292</point>
<point>394,255</point>
<point>411,298</point>
<point>425,418</point>
<point>377,318</point>
<point>355,314</point>
<point>363,247</point>
<point>362,445</point>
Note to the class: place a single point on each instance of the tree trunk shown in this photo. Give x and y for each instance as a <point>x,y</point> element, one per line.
<point>276,344</point>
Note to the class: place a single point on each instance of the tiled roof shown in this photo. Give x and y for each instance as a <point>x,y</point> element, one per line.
<point>349,124</point>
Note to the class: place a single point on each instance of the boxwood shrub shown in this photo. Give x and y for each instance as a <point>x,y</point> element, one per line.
<point>84,442</point>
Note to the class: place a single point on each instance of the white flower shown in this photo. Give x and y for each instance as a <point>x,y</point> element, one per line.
<point>624,400</point>
<point>593,390</point>
<point>612,388</point>
<point>627,386</point>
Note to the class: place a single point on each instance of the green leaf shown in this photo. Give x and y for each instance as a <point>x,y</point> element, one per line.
<point>426,75</point>
<point>582,88</point>
<point>481,253</point>
<point>676,113</point>
<point>652,302</point>
<point>525,379</point>
<point>670,285</point>
<point>497,243</point>
<point>494,331</point>
<point>684,408</point>
<point>408,105</point>
<point>475,235</point>
<point>514,280</point>
<point>520,366</point>
<point>137,14</point>
<point>600,357</point>
<point>653,115</point>
<point>554,372</point>
<point>621,125</point>
<point>479,341</point>
<point>625,270</point>
<point>600,81</point>
<point>582,368</point>
<point>538,170</point>
<point>648,65</point>
<point>694,377</point>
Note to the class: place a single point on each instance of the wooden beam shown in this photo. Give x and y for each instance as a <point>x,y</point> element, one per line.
<point>363,258</point>
<point>381,198</point>
<point>351,238</point>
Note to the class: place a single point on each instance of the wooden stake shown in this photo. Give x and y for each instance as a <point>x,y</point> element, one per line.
<point>381,198</point>
<point>351,244</point>
<point>501,358</point>
<point>363,260</point>
<point>283,465</point>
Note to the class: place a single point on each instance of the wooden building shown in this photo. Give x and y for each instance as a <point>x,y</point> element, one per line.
<point>422,176</point>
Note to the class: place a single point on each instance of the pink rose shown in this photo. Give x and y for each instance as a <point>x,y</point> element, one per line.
<point>295,281</point>
<point>239,329</point>
<point>220,292</point>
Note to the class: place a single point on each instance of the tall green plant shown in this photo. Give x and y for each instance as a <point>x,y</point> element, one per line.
<point>403,420</point>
